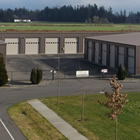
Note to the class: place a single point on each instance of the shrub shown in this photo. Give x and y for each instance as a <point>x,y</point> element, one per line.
<point>3,72</point>
<point>33,76</point>
<point>36,76</point>
<point>39,75</point>
<point>121,74</point>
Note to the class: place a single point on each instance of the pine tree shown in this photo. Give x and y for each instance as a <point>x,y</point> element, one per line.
<point>3,72</point>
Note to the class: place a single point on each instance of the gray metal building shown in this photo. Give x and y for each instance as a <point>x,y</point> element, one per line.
<point>113,50</point>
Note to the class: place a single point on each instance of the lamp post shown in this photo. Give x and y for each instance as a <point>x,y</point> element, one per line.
<point>58,89</point>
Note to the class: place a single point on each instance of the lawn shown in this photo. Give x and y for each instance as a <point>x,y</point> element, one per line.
<point>97,124</point>
<point>32,124</point>
<point>38,26</point>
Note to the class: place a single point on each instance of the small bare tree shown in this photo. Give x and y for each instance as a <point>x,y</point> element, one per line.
<point>115,102</point>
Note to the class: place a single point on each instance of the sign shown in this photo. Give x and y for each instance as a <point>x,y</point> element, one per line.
<point>52,71</point>
<point>104,70</point>
<point>82,73</point>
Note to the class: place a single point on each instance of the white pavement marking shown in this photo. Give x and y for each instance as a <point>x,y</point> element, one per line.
<point>6,129</point>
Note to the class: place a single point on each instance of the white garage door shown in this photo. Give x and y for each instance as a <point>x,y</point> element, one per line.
<point>104,52</point>
<point>12,46</point>
<point>112,56</point>
<point>32,46</point>
<point>90,51</point>
<point>51,46</point>
<point>71,45</point>
<point>131,61</point>
<point>121,56</point>
<point>97,52</point>
<point>83,46</point>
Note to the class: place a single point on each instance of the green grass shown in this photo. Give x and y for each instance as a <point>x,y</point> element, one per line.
<point>98,125</point>
<point>32,124</point>
<point>38,26</point>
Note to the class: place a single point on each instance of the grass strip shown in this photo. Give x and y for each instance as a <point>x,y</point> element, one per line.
<point>67,27</point>
<point>32,124</point>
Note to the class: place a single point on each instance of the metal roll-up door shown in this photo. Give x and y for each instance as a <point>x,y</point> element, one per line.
<point>71,45</point>
<point>90,51</point>
<point>12,47</point>
<point>51,45</point>
<point>32,46</point>
<point>97,52</point>
<point>131,61</point>
<point>112,56</point>
<point>121,56</point>
<point>104,52</point>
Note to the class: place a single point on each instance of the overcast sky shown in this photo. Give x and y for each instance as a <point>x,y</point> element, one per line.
<point>117,5</point>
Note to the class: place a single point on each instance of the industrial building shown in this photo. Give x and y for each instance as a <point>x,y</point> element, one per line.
<point>112,50</point>
<point>33,43</point>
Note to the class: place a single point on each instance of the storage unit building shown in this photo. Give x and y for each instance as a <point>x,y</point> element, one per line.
<point>113,50</point>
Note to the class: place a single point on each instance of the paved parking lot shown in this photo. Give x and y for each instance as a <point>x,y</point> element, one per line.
<point>19,66</point>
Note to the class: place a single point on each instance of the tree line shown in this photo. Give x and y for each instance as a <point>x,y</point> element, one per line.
<point>88,14</point>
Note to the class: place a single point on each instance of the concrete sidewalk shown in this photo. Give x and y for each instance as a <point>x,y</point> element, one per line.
<point>66,129</point>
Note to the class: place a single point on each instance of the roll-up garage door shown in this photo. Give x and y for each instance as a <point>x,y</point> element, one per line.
<point>131,62</point>
<point>51,46</point>
<point>121,56</point>
<point>90,51</point>
<point>112,56</point>
<point>32,46</point>
<point>97,52</point>
<point>104,52</point>
<point>71,45</point>
<point>12,46</point>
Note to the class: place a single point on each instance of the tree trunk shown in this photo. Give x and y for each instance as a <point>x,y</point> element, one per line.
<point>116,124</point>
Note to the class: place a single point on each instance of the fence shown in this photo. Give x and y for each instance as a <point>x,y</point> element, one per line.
<point>50,75</point>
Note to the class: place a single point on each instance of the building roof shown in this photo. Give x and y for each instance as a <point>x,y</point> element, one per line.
<point>129,38</point>
<point>2,42</point>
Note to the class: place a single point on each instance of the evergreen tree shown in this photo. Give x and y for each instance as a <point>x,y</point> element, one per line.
<point>36,76</point>
<point>121,74</point>
<point>3,72</point>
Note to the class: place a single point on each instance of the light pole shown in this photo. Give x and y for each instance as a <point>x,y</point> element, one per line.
<point>58,89</point>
